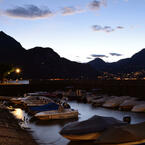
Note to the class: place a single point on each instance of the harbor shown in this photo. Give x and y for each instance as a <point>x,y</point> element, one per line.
<point>72,72</point>
<point>47,132</point>
<point>82,105</point>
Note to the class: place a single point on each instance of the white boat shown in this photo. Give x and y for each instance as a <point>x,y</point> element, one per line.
<point>99,102</point>
<point>31,101</point>
<point>139,108</point>
<point>36,101</point>
<point>16,100</point>
<point>56,114</point>
<point>115,101</point>
<point>37,94</point>
<point>129,104</point>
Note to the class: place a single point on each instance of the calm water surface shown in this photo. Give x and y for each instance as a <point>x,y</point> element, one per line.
<point>47,132</point>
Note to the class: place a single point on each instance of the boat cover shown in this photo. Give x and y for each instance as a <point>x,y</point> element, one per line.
<point>94,124</point>
<point>46,107</point>
<point>122,134</point>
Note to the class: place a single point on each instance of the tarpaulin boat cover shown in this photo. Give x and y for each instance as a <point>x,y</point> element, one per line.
<point>46,107</point>
<point>94,124</point>
<point>122,134</point>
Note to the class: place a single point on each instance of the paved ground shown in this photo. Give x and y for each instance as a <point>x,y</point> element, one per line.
<point>11,133</point>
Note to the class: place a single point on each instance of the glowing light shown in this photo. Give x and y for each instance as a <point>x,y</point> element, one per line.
<point>18,113</point>
<point>18,70</point>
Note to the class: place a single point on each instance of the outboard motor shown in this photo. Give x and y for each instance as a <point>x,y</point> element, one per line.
<point>127,119</point>
<point>66,105</point>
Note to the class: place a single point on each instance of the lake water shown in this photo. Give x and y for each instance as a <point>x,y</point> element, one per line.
<point>47,132</point>
<point>18,82</point>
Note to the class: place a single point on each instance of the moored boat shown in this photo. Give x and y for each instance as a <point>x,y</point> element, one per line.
<point>115,101</point>
<point>46,107</point>
<point>129,134</point>
<point>89,129</point>
<point>139,108</point>
<point>129,104</point>
<point>57,114</point>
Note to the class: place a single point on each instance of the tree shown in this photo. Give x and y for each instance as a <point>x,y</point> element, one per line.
<point>5,69</point>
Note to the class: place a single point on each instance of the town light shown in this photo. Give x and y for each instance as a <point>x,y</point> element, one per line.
<point>17,70</point>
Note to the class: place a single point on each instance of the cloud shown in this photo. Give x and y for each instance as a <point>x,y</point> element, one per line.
<point>71,10</point>
<point>100,28</point>
<point>119,27</point>
<point>88,58</point>
<point>29,11</point>
<point>115,54</point>
<point>98,55</point>
<point>107,29</point>
<point>95,5</point>
<point>96,28</point>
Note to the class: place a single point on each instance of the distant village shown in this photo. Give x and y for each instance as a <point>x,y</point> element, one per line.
<point>139,75</point>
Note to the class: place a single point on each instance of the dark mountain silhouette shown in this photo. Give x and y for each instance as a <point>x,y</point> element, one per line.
<point>98,64</point>
<point>41,62</point>
<point>135,63</point>
<point>11,51</point>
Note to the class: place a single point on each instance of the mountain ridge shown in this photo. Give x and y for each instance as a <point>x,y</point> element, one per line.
<point>127,65</point>
<point>39,62</point>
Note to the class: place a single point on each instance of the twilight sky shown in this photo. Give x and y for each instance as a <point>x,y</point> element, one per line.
<point>79,30</point>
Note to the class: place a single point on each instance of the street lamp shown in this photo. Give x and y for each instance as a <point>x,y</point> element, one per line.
<point>17,70</point>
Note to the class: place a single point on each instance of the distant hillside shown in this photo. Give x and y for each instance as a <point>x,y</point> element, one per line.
<point>135,63</point>
<point>41,62</point>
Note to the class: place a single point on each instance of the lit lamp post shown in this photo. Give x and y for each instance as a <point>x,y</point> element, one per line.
<point>18,70</point>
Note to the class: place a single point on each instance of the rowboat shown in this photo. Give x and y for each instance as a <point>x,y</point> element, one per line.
<point>57,114</point>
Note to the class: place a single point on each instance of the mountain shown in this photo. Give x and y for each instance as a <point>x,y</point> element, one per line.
<point>11,49</point>
<point>38,62</point>
<point>41,62</point>
<point>135,63</point>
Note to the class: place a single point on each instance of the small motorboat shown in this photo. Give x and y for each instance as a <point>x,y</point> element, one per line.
<point>16,100</point>
<point>129,104</point>
<point>36,101</point>
<point>45,107</point>
<point>89,129</point>
<point>57,114</point>
<point>115,101</point>
<point>139,108</point>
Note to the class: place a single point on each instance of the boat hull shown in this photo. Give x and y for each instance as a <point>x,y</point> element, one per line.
<point>57,115</point>
<point>89,136</point>
<point>134,143</point>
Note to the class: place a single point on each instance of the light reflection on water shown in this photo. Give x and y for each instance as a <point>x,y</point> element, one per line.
<point>47,132</point>
<point>18,113</point>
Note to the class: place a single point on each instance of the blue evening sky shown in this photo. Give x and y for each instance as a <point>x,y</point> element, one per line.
<point>79,30</point>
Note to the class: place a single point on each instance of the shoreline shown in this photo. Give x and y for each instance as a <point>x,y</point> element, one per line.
<point>134,88</point>
<point>11,133</point>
